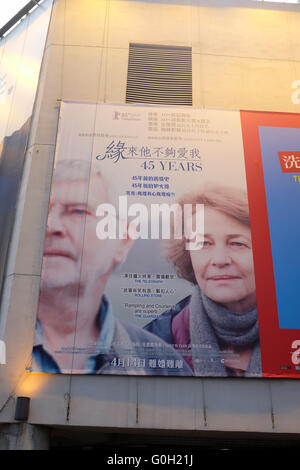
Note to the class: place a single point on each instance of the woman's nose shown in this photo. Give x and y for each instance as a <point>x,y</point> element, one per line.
<point>220,257</point>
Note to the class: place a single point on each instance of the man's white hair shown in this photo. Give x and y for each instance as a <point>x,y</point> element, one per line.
<point>70,170</point>
<point>74,170</point>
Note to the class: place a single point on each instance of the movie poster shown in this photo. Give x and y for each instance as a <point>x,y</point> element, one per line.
<point>271,149</point>
<point>149,264</point>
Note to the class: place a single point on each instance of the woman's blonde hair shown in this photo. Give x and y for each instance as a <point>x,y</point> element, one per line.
<point>230,201</point>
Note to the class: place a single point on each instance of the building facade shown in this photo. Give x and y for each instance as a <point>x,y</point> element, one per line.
<point>245,55</point>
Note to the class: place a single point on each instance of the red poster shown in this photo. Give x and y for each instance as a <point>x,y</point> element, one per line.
<point>274,195</point>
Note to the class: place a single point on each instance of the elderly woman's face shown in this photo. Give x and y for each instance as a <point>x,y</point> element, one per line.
<point>223,267</point>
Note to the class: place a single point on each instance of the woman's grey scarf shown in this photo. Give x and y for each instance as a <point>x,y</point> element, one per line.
<point>210,324</point>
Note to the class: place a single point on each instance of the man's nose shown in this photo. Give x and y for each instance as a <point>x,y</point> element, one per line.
<point>56,225</point>
<point>220,257</point>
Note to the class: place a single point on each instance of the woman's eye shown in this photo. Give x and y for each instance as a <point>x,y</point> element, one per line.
<point>204,243</point>
<point>238,244</point>
<point>199,244</point>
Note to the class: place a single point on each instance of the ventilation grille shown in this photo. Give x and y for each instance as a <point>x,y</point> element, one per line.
<point>159,75</point>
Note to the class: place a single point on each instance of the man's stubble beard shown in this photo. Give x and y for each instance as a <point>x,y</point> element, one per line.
<point>78,286</point>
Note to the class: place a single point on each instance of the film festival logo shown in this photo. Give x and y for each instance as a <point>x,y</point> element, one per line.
<point>126,116</point>
<point>161,221</point>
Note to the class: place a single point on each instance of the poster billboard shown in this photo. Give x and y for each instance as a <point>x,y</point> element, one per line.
<point>152,262</point>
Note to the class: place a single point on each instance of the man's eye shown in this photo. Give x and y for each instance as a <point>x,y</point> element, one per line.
<point>77,211</point>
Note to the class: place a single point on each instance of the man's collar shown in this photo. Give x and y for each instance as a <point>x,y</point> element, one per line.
<point>39,335</point>
<point>106,322</point>
<point>107,327</point>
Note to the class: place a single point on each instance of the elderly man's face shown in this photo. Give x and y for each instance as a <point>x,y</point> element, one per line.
<point>73,254</point>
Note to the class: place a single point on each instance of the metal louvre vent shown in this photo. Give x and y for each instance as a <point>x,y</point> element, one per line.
<point>159,75</point>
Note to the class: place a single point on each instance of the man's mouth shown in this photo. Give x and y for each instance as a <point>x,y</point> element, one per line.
<point>62,253</point>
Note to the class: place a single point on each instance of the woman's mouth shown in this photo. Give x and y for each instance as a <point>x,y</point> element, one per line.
<point>223,277</point>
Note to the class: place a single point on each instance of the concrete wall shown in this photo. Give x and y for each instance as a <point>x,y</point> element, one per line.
<point>245,56</point>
